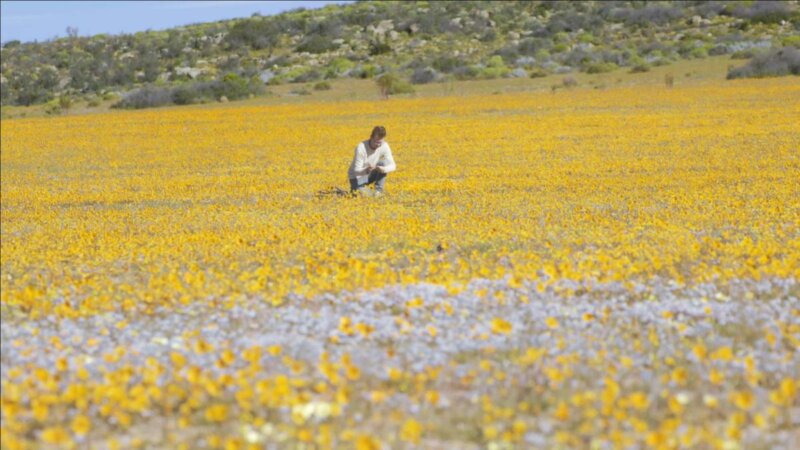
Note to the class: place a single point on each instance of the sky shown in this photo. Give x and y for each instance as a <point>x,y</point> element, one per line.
<point>41,20</point>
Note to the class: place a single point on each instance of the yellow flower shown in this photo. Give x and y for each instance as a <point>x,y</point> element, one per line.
<point>378,396</point>
<point>432,397</point>
<point>367,443</point>
<point>710,401</point>
<point>638,400</point>
<point>395,374</point>
<point>562,412</point>
<point>364,329</point>
<point>699,351</point>
<point>216,413</point>
<point>716,377</point>
<point>788,388</point>
<point>742,399</point>
<point>723,354</point>
<point>81,425</point>
<point>500,326</point>
<point>411,431</point>
<point>40,411</point>
<point>226,358</point>
<point>490,432</point>
<point>414,303</point>
<point>346,326</point>
<point>55,435</point>
<point>679,376</point>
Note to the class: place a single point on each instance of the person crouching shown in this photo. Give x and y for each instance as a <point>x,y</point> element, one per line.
<point>371,162</point>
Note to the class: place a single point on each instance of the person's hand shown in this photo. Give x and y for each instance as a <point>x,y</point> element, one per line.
<point>370,168</point>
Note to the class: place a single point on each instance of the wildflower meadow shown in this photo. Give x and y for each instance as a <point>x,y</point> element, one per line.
<point>586,268</point>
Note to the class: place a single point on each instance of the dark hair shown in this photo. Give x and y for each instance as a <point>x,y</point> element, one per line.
<point>379,132</point>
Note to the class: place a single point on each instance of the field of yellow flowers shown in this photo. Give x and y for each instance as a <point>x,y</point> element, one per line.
<point>582,269</point>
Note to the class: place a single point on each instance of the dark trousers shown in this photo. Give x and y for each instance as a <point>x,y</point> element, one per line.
<point>379,178</point>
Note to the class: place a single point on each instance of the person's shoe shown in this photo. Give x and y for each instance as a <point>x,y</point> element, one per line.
<point>364,192</point>
<point>378,194</point>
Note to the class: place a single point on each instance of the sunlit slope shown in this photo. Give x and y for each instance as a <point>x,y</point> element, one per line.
<point>138,209</point>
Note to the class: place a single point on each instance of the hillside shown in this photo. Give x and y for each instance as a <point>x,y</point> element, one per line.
<point>422,42</point>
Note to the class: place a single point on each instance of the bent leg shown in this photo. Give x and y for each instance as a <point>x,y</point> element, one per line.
<point>379,178</point>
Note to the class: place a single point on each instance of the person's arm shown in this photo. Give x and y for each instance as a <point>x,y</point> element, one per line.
<point>388,161</point>
<point>360,167</point>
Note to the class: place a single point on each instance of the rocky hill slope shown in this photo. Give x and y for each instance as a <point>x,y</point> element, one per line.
<point>420,41</point>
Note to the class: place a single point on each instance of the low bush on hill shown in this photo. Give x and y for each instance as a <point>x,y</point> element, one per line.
<point>230,86</point>
<point>784,61</point>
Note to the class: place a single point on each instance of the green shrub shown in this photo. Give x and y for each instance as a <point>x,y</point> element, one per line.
<point>635,60</point>
<point>186,94</point>
<point>780,62</point>
<point>391,84</point>
<point>791,41</point>
<point>307,76</point>
<point>698,53</point>
<point>379,47</point>
<point>316,44</point>
<point>322,86</point>
<point>640,68</point>
<point>586,38</point>
<point>602,67</point>
<point>537,73</point>
<point>495,62</point>
<point>488,36</point>
<point>495,68</point>
<point>256,33</point>
<point>662,62</point>
<point>146,97</point>
<point>338,66</point>
<point>368,71</point>
<point>233,86</point>
<point>52,107</point>
<point>744,54</point>
<point>541,54</point>
<point>765,12</point>
<point>494,72</point>
<point>65,102</point>
<point>467,72</point>
<point>561,37</point>
<point>292,73</point>
<point>446,63</point>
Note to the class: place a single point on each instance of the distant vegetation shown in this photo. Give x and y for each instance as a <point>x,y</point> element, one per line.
<point>420,42</point>
<point>781,62</point>
<point>230,87</point>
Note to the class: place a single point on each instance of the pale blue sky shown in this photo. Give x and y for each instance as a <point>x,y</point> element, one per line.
<point>42,20</point>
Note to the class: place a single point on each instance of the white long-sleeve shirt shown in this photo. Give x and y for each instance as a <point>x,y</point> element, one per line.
<point>365,156</point>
